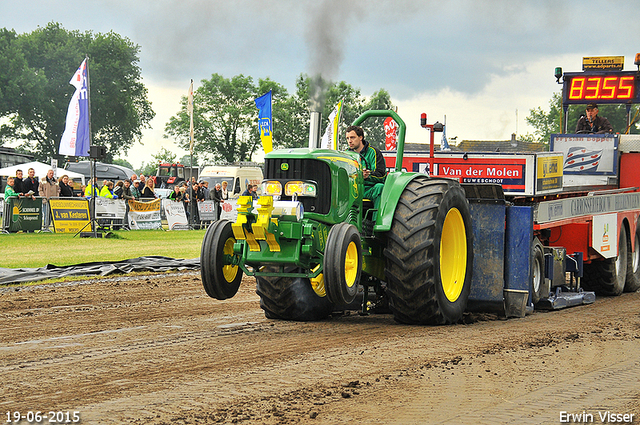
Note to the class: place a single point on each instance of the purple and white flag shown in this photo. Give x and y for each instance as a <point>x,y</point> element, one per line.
<point>76,138</point>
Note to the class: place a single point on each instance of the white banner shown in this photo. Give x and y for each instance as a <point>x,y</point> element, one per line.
<point>176,216</point>
<point>145,215</point>
<point>207,210</point>
<point>110,208</point>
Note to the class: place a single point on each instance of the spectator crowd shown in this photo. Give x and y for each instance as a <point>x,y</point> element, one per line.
<point>135,188</point>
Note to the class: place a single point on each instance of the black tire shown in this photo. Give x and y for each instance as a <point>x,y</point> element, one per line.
<point>607,277</point>
<point>342,263</point>
<point>220,279</point>
<point>537,271</point>
<point>289,298</point>
<point>428,282</point>
<point>633,264</point>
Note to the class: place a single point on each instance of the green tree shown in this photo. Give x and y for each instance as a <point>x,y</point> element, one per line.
<point>163,156</point>
<point>223,110</point>
<point>35,102</point>
<point>353,104</point>
<point>226,118</point>
<point>374,128</point>
<point>122,162</point>
<point>186,160</point>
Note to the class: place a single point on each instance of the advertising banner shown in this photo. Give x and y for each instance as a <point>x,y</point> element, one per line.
<point>69,215</point>
<point>110,208</point>
<point>176,216</point>
<point>145,215</point>
<point>207,210</point>
<point>24,214</point>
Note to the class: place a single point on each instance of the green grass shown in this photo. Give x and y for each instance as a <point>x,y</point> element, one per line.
<point>26,250</point>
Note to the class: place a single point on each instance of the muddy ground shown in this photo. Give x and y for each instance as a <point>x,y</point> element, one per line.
<point>157,350</point>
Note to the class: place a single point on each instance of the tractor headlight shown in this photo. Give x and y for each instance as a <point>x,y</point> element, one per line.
<point>300,188</point>
<point>272,188</point>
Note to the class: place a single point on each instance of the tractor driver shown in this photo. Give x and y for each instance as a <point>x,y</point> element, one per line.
<point>592,123</point>
<point>374,168</point>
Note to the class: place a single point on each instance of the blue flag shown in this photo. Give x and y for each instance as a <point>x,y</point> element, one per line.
<point>263,103</point>
<point>76,137</point>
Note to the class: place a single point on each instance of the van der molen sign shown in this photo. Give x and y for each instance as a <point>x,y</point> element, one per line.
<point>603,62</point>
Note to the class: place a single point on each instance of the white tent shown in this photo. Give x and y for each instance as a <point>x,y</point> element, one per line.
<point>41,171</point>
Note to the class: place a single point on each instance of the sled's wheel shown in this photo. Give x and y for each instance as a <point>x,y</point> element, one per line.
<point>220,278</point>
<point>633,264</point>
<point>537,271</point>
<point>290,298</point>
<point>342,263</point>
<point>607,277</point>
<point>429,256</point>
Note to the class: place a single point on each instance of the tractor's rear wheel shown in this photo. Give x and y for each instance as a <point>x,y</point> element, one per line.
<point>633,264</point>
<point>220,278</point>
<point>607,277</point>
<point>342,263</point>
<point>290,298</point>
<point>429,256</point>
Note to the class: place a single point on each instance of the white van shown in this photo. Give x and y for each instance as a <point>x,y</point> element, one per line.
<point>237,176</point>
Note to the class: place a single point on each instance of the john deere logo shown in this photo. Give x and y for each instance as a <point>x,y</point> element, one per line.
<point>284,166</point>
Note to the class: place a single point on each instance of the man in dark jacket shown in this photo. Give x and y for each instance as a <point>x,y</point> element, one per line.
<point>31,183</point>
<point>216,196</point>
<point>592,123</point>
<point>374,169</point>
<point>126,190</point>
<point>193,204</point>
<point>18,185</point>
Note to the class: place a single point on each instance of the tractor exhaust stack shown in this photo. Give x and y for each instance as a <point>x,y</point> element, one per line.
<point>314,130</point>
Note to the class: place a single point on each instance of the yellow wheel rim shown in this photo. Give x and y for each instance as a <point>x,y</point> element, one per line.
<point>351,262</point>
<point>317,283</point>
<point>453,255</point>
<point>229,271</point>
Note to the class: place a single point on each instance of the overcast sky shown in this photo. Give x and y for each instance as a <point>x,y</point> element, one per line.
<point>475,62</point>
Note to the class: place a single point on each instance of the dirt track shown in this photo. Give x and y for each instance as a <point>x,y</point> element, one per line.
<point>157,350</point>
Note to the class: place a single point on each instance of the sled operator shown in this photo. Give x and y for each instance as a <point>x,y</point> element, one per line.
<point>592,123</point>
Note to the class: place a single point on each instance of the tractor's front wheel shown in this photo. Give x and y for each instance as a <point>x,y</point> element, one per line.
<point>220,278</point>
<point>290,298</point>
<point>429,256</point>
<point>342,263</point>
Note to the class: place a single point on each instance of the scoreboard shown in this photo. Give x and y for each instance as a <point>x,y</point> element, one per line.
<point>601,87</point>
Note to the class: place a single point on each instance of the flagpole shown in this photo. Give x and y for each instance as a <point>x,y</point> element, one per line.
<point>88,98</point>
<point>190,108</point>
<point>94,228</point>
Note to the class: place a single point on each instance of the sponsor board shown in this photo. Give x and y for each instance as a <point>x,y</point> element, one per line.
<point>69,215</point>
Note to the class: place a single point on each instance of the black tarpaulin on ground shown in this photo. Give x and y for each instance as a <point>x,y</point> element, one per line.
<point>142,264</point>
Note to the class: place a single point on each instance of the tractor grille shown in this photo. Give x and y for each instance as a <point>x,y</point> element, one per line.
<point>303,169</point>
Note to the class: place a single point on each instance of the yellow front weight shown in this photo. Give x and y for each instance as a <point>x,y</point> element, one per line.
<point>241,226</point>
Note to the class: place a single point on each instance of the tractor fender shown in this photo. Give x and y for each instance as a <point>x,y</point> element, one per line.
<point>393,187</point>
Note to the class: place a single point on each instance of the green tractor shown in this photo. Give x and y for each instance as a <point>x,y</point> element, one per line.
<point>315,246</point>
